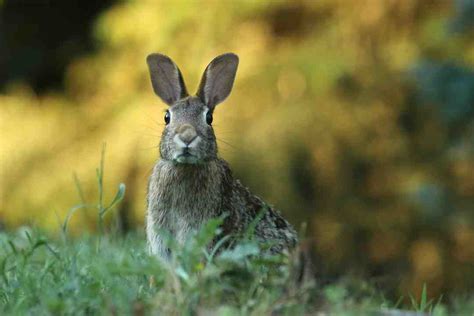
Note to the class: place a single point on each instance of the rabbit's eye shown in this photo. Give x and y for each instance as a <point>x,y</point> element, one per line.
<point>209,118</point>
<point>167,117</point>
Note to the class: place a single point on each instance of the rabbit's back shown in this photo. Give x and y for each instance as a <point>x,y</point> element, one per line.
<point>270,226</point>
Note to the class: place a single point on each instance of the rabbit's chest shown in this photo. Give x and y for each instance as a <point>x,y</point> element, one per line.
<point>181,202</point>
<point>185,212</point>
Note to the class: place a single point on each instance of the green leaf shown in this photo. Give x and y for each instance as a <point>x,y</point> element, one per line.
<point>3,267</point>
<point>71,211</point>
<point>217,246</point>
<point>182,273</point>
<point>239,252</point>
<point>423,298</point>
<point>118,197</point>
<point>250,231</point>
<point>207,233</point>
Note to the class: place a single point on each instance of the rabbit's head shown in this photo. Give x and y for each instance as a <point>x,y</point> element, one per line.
<point>188,137</point>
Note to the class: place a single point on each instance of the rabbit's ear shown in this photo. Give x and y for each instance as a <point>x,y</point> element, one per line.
<point>166,78</point>
<point>218,79</point>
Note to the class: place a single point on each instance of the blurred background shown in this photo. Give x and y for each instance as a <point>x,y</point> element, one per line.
<point>355,117</point>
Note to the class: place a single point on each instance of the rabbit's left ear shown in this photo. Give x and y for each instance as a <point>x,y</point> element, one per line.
<point>218,79</point>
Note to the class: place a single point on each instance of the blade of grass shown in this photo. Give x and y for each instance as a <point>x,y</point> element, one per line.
<point>100,206</point>
<point>71,211</point>
<point>423,299</point>
<point>79,188</point>
<point>118,197</point>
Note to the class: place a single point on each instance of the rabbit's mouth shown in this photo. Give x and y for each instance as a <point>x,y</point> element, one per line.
<point>187,158</point>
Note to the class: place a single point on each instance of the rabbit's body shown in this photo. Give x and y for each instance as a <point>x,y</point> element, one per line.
<point>190,184</point>
<point>182,197</point>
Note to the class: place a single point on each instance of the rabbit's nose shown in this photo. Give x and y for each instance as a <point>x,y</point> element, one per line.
<point>187,133</point>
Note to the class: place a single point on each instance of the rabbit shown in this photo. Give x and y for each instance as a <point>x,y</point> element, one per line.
<point>190,184</point>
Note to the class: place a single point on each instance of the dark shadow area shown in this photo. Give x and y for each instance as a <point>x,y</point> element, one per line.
<point>38,39</point>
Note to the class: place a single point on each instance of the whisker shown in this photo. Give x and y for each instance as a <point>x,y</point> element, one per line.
<point>149,172</point>
<point>155,136</point>
<point>155,121</point>
<point>227,143</point>
<point>151,127</point>
<point>148,148</point>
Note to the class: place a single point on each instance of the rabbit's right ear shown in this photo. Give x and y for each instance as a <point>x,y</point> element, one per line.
<point>166,78</point>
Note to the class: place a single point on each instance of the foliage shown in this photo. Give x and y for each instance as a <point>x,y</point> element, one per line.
<point>101,209</point>
<point>43,276</point>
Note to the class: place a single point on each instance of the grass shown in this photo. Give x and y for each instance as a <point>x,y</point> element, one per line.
<point>40,277</point>
<point>49,276</point>
<point>43,276</point>
<point>111,274</point>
